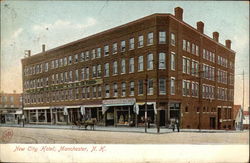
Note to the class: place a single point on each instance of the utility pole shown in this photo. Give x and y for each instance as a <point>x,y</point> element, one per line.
<point>243,102</point>
<point>146,105</point>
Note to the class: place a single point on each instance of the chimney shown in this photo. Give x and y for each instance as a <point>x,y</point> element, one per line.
<point>200,26</point>
<point>228,44</point>
<point>43,48</point>
<point>216,36</point>
<point>178,13</point>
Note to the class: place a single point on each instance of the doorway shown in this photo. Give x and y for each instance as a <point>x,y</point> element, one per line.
<point>212,122</point>
<point>162,117</point>
<point>219,117</point>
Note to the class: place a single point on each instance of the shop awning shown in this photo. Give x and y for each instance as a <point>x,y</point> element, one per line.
<point>36,108</point>
<point>136,107</point>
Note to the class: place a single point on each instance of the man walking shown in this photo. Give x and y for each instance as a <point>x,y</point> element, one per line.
<point>178,125</point>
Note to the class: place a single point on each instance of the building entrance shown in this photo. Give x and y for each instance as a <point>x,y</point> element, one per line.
<point>162,117</point>
<point>212,122</point>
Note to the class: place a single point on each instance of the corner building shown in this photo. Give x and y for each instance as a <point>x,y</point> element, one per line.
<point>158,60</point>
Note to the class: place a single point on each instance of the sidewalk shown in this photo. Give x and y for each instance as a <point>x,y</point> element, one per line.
<point>152,130</point>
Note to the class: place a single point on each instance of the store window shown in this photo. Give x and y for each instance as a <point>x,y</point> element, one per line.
<point>60,115</point>
<point>33,117</point>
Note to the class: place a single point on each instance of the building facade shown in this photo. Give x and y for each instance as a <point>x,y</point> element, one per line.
<point>10,108</point>
<point>158,61</point>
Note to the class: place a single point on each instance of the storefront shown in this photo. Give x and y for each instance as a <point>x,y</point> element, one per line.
<point>10,116</point>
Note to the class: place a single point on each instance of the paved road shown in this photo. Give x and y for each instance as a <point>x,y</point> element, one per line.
<point>75,136</point>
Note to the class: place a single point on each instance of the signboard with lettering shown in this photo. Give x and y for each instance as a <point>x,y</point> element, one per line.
<point>124,101</point>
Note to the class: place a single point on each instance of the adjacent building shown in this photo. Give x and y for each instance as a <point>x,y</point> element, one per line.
<point>10,107</point>
<point>158,61</point>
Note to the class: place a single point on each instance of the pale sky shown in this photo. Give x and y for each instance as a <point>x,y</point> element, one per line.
<point>29,24</point>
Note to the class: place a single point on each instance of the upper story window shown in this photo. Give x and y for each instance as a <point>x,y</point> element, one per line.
<point>173,61</point>
<point>140,41</point>
<point>93,54</point>
<point>131,65</point>
<point>172,39</point>
<point>131,43</point>
<point>70,60</point>
<point>172,86</point>
<point>188,46</point>
<point>107,90</point>
<point>115,68</point>
<point>150,87</point>
<point>162,37</point>
<point>46,66</point>
<point>140,63</point>
<point>162,61</point>
<point>87,55</point>
<point>123,66</point>
<point>132,88</point>
<point>82,57</point>
<point>93,71</point>
<point>76,58</point>
<point>98,54</point>
<point>140,87</point>
<point>115,90</point>
<point>83,73</point>
<point>123,89</point>
<point>106,69</point>
<point>70,76</point>
<point>106,50</point>
<point>56,63</point>
<point>87,73</point>
<point>76,75</point>
<point>65,61</point>
<point>123,46</point>
<point>184,45</point>
<point>162,86</point>
<point>197,50</point>
<point>99,70</point>
<point>150,62</point>
<point>150,38</point>
<point>114,48</point>
<point>60,62</point>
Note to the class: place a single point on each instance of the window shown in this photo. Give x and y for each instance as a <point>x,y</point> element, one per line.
<point>114,48</point>
<point>65,61</point>
<point>46,66</point>
<point>150,38</point>
<point>197,50</point>
<point>188,46</point>
<point>88,92</point>
<point>115,89</point>
<point>61,77</point>
<point>106,50</point>
<point>70,60</point>
<point>76,75</point>
<point>162,86</point>
<point>140,87</point>
<point>98,54</point>
<point>76,58</point>
<point>132,88</point>
<point>172,61</point>
<point>106,69</point>
<point>184,65</point>
<point>87,55</point>
<point>150,87</point>
<point>131,65</point>
<point>106,90</point>
<point>162,61</point>
<point>93,71</point>
<point>184,45</point>
<point>184,88</point>
<point>172,39</point>
<point>99,71</point>
<point>162,37</point>
<point>82,57</point>
<point>140,41</point>
<point>52,64</point>
<point>123,46</point>
<point>123,89</point>
<point>172,86</point>
<point>115,68</point>
<point>94,91</point>
<point>150,62</point>
<point>70,76</point>
<point>65,77</point>
<point>87,73</point>
<point>188,88</point>
<point>83,73</point>
<point>140,63</point>
<point>56,63</point>
<point>93,54</point>
<point>123,66</point>
<point>99,91</point>
<point>188,66</point>
<point>131,43</point>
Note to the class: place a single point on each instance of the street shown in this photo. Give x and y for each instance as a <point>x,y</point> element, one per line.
<point>76,136</point>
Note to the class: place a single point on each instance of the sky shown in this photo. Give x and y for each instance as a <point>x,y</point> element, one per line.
<point>26,25</point>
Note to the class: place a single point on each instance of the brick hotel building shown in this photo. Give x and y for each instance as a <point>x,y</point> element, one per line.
<point>159,61</point>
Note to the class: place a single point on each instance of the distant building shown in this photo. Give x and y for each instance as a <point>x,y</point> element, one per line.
<point>158,61</point>
<point>10,107</point>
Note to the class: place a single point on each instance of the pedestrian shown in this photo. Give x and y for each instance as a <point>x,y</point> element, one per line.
<point>178,125</point>
<point>173,125</point>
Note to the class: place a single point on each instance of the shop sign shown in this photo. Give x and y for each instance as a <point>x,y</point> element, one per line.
<point>125,101</point>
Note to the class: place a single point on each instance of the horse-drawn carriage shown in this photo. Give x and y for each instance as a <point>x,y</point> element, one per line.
<point>91,122</point>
